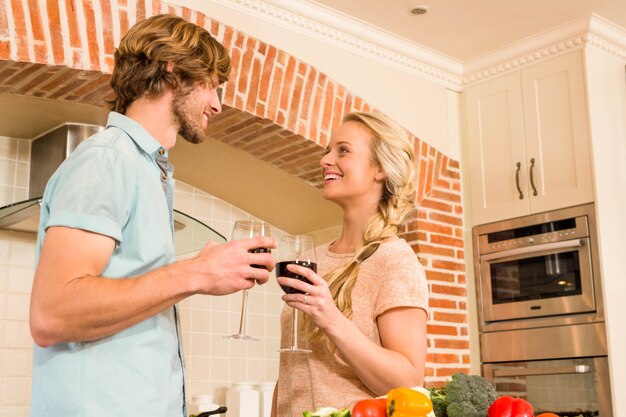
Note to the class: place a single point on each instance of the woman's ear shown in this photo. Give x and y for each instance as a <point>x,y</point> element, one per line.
<point>170,66</point>
<point>380,176</point>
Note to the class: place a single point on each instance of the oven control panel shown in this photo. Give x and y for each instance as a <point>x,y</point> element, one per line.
<point>539,239</point>
<point>534,234</point>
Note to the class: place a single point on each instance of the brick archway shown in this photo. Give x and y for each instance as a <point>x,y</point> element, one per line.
<point>277,108</point>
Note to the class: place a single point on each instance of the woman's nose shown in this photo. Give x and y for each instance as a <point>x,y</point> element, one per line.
<point>325,161</point>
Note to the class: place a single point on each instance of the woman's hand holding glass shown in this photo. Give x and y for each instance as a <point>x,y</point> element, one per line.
<point>312,298</point>
<point>295,250</point>
<point>296,273</point>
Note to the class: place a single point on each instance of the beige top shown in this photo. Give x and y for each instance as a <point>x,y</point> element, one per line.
<point>391,277</point>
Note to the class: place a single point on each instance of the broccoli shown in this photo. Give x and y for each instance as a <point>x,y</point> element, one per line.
<point>463,396</point>
<point>438,398</point>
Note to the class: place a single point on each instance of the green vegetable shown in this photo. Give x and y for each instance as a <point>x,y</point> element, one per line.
<point>344,412</point>
<point>327,412</point>
<point>438,397</point>
<point>463,396</point>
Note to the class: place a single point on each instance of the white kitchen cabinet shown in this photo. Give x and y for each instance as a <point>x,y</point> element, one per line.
<point>529,141</point>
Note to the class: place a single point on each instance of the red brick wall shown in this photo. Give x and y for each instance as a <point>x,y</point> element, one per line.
<point>277,108</point>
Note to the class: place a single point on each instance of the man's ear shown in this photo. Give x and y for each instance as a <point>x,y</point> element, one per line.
<point>170,66</point>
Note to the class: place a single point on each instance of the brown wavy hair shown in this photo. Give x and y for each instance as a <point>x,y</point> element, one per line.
<point>392,150</point>
<point>143,56</point>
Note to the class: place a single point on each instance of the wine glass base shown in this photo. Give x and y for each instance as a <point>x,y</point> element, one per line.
<point>295,350</point>
<point>241,336</point>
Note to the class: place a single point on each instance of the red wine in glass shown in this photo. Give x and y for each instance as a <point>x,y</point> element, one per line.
<point>259,250</point>
<point>246,229</point>
<point>295,250</point>
<point>282,271</point>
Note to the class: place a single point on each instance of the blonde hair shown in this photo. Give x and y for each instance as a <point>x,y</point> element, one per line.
<point>393,152</point>
<point>143,56</point>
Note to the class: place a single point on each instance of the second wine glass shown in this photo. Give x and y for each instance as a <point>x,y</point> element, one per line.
<point>298,250</point>
<point>246,229</point>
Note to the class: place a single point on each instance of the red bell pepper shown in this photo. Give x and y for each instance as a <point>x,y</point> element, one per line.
<point>373,407</point>
<point>510,407</point>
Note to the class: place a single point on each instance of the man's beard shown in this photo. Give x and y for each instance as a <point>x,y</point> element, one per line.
<point>189,128</point>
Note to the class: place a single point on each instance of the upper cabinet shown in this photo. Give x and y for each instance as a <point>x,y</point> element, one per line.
<point>529,141</point>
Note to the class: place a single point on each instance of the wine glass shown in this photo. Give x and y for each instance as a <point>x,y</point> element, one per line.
<point>246,229</point>
<point>298,250</point>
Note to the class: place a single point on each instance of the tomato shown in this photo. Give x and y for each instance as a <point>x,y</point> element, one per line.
<point>373,407</point>
<point>547,415</point>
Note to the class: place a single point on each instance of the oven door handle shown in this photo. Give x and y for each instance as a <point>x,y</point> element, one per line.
<point>530,249</point>
<point>573,369</point>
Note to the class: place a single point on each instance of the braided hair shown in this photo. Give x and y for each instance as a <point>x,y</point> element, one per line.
<point>393,152</point>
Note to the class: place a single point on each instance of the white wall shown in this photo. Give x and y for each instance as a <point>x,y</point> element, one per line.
<point>14,165</point>
<point>472,303</point>
<point>17,251</point>
<point>606,79</point>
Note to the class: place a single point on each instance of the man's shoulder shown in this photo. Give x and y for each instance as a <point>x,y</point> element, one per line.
<point>112,141</point>
<point>112,137</point>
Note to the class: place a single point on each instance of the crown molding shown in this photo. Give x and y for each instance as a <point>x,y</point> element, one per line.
<point>526,51</point>
<point>354,35</point>
<point>590,30</point>
<point>358,37</point>
<point>606,35</point>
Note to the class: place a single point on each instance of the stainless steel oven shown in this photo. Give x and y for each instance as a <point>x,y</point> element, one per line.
<point>541,316</point>
<point>538,266</point>
<point>566,387</point>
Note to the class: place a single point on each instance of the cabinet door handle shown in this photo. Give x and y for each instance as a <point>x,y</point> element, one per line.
<point>532,181</point>
<point>519,166</point>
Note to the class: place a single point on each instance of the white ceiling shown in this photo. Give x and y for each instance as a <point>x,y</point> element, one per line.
<point>464,29</point>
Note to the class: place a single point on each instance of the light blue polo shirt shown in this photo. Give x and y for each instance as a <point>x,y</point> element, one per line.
<point>117,183</point>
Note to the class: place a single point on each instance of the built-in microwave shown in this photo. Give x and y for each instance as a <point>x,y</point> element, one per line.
<point>539,266</point>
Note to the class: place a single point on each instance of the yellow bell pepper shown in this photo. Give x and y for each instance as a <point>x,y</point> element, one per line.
<point>405,402</point>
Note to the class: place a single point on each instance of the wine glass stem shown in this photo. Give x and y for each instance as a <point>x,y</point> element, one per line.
<point>294,328</point>
<point>244,312</point>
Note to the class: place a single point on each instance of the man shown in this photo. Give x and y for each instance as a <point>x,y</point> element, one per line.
<point>103,313</point>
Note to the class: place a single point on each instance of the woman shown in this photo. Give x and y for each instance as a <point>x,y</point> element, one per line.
<point>365,310</point>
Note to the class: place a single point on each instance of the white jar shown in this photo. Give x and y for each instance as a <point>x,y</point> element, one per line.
<point>266,393</point>
<point>204,402</point>
<point>242,400</point>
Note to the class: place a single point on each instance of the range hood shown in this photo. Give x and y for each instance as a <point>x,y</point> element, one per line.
<point>47,152</point>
